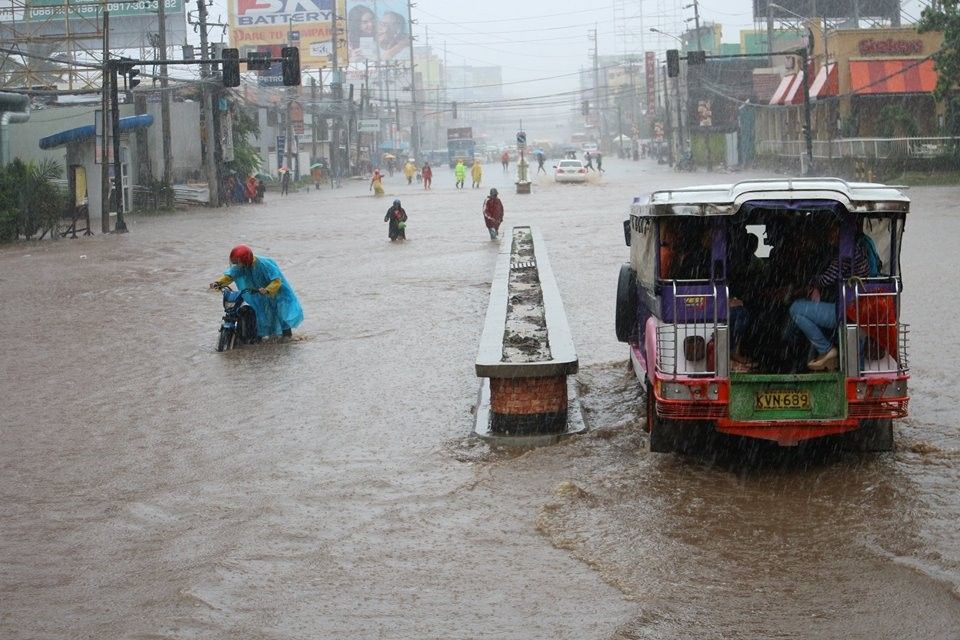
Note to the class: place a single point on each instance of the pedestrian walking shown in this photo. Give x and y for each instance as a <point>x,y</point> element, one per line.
<point>284,181</point>
<point>460,172</point>
<point>505,160</point>
<point>493,213</point>
<point>599,157</point>
<point>589,160</point>
<point>427,174</point>
<point>409,170</point>
<point>397,218</point>
<point>376,183</point>
<point>476,172</point>
<point>540,159</point>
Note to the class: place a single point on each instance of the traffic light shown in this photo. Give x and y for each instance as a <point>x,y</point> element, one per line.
<point>231,67</point>
<point>125,66</point>
<point>290,66</point>
<point>453,107</point>
<point>673,63</point>
<point>585,107</point>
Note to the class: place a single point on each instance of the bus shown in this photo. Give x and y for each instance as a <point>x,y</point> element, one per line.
<point>716,302</point>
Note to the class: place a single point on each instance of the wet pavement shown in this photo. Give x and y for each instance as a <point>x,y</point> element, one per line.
<point>329,487</point>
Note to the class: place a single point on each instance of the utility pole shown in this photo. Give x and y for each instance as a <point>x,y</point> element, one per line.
<point>164,97</point>
<point>104,128</point>
<point>669,123</point>
<point>696,22</point>
<point>808,136</point>
<point>596,86</point>
<point>414,124</point>
<point>336,86</point>
<point>313,119</point>
<point>121,226</point>
<point>213,183</point>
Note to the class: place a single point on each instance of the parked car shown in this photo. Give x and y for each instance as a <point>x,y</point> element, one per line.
<point>570,171</point>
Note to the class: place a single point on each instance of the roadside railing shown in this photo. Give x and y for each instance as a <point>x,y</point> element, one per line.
<point>863,148</point>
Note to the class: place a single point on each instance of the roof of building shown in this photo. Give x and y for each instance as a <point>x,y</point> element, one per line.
<point>89,131</point>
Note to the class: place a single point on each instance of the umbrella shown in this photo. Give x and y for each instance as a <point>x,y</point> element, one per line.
<point>264,176</point>
<point>389,156</point>
<point>317,165</point>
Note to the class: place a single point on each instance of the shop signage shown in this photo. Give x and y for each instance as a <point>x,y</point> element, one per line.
<point>890,47</point>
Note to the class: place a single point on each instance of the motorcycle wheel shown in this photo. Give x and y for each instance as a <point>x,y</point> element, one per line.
<point>227,341</point>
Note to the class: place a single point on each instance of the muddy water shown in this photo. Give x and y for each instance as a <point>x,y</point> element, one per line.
<point>328,487</point>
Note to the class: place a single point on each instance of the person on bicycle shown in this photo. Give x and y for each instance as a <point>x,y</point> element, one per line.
<point>277,307</point>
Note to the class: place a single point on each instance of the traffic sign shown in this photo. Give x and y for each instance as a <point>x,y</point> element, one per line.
<point>521,138</point>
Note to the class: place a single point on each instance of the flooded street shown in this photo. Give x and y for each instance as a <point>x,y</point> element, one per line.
<point>329,487</point>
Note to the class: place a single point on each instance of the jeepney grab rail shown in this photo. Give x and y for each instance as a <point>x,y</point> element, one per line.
<point>872,313</point>
<point>689,321</point>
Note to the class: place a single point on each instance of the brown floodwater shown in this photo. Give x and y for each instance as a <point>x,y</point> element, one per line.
<point>329,487</point>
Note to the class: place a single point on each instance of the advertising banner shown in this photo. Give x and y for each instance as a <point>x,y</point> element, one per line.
<point>307,24</point>
<point>81,19</point>
<point>377,30</point>
<point>650,68</point>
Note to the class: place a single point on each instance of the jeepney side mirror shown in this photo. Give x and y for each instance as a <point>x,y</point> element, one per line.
<point>626,231</point>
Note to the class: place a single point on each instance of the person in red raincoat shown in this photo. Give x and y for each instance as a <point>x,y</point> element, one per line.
<point>427,174</point>
<point>493,213</point>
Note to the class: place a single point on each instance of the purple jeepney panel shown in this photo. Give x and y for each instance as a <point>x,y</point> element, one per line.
<point>692,303</point>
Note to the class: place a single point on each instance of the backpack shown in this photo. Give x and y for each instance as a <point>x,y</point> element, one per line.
<point>874,263</point>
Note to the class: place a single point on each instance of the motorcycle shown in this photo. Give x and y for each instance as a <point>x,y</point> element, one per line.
<point>239,324</point>
<point>685,163</point>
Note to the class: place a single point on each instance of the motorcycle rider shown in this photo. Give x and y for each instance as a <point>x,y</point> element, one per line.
<point>278,309</point>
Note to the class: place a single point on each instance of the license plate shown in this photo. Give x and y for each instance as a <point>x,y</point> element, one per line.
<point>778,400</point>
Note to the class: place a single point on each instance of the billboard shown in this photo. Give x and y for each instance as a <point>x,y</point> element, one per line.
<point>80,20</point>
<point>307,24</point>
<point>377,30</point>
<point>650,73</point>
<point>832,9</point>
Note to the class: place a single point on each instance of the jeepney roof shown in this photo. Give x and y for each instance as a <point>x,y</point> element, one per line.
<point>726,199</point>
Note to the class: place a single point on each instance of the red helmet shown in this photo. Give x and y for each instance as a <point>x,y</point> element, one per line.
<point>242,255</point>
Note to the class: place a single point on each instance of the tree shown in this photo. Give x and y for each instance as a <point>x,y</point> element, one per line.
<point>246,158</point>
<point>944,16</point>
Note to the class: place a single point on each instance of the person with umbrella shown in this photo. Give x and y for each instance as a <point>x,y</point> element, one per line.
<point>540,158</point>
<point>316,171</point>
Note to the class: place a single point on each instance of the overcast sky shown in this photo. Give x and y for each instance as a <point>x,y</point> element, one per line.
<point>543,38</point>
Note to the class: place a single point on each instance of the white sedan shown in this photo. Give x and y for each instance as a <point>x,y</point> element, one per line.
<point>570,171</point>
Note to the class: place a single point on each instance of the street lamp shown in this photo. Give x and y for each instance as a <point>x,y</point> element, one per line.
<point>670,35</point>
<point>774,5</point>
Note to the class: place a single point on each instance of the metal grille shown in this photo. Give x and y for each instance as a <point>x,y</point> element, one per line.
<point>875,316</point>
<point>690,321</point>
<point>529,264</point>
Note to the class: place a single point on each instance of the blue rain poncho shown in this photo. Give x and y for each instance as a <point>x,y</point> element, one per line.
<point>274,312</point>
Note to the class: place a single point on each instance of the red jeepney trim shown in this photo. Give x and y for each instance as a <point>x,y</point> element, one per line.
<point>876,403</point>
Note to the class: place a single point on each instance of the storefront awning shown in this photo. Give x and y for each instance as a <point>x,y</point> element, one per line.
<point>892,76</point>
<point>827,82</point>
<point>89,131</point>
<point>794,94</point>
<point>777,97</point>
